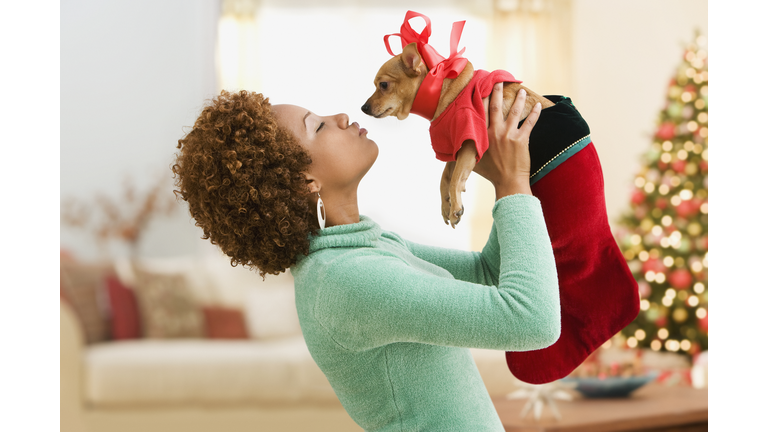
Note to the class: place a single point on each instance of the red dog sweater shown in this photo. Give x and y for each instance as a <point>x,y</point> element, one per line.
<point>464,118</point>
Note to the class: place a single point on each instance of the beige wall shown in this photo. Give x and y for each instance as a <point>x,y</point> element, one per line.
<point>624,54</point>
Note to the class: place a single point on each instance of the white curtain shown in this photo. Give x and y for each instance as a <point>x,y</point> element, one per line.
<point>237,49</point>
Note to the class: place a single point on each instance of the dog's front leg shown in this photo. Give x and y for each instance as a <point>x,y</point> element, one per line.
<point>465,163</point>
<point>445,196</point>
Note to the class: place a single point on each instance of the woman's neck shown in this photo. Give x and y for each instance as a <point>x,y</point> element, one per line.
<point>340,209</point>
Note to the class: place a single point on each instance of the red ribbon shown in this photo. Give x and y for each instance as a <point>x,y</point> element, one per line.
<point>439,67</point>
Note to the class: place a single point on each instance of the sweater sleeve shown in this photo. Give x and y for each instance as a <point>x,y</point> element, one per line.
<point>477,267</point>
<point>369,300</point>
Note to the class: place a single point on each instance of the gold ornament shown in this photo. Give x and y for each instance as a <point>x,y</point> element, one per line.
<point>691,168</point>
<point>694,229</point>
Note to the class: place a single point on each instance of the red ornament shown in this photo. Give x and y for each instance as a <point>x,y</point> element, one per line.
<point>638,197</point>
<point>696,204</point>
<point>666,131</point>
<point>705,242</point>
<point>703,166</point>
<point>686,208</point>
<point>680,279</point>
<point>704,323</point>
<point>662,165</point>
<point>661,321</point>
<point>644,288</point>
<point>655,265</point>
<point>661,203</point>
<point>678,165</point>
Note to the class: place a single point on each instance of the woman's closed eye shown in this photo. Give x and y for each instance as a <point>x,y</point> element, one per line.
<point>320,127</point>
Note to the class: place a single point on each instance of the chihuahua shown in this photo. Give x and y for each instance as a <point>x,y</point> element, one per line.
<point>397,84</point>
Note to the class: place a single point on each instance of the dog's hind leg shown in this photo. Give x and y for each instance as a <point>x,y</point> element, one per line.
<point>465,163</point>
<point>445,197</point>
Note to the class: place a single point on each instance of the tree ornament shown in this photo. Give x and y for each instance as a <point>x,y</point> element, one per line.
<point>680,279</point>
<point>675,109</point>
<point>644,289</point>
<point>655,265</point>
<point>666,131</point>
<point>638,197</point>
<point>680,315</point>
<point>686,208</point>
<point>704,323</point>
<point>685,246</point>
<point>679,165</point>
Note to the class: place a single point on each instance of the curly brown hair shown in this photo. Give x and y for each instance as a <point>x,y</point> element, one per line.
<point>242,175</point>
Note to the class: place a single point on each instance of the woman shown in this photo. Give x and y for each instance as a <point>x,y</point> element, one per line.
<point>388,321</point>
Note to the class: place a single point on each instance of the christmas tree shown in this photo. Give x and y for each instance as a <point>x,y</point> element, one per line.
<point>664,234</point>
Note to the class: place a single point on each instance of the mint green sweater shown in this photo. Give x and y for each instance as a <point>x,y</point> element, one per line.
<point>389,321</point>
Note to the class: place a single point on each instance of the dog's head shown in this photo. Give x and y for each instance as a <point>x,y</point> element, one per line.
<point>396,83</point>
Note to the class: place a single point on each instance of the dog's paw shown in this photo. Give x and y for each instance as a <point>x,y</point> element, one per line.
<point>456,217</point>
<point>445,209</point>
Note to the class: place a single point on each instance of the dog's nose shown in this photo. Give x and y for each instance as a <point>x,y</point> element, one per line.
<point>366,109</point>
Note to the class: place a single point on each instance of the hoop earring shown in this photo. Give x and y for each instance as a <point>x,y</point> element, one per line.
<point>320,212</point>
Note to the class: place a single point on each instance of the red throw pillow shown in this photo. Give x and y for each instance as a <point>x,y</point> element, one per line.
<point>224,323</point>
<point>126,323</point>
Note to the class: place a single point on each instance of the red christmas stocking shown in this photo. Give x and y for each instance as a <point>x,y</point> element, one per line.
<point>598,294</point>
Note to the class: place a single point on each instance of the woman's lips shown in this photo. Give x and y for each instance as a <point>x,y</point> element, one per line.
<point>360,131</point>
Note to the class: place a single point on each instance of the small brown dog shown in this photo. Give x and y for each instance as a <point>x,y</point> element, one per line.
<point>397,84</point>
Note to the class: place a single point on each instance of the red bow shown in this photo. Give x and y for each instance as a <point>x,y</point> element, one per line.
<point>439,67</point>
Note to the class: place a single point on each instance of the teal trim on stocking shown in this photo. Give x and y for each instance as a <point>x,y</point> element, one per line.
<point>560,158</point>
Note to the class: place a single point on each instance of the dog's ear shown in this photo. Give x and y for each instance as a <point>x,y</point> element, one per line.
<point>411,59</point>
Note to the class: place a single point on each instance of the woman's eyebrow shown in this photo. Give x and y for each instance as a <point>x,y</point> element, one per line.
<point>304,120</point>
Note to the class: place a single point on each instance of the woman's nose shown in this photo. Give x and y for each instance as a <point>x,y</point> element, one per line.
<point>343,120</point>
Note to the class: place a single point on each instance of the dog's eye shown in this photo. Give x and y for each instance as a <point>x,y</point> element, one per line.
<point>383,85</point>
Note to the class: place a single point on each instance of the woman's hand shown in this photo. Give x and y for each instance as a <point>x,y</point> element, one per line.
<point>507,163</point>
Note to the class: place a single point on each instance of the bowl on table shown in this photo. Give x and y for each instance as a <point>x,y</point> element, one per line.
<point>608,387</point>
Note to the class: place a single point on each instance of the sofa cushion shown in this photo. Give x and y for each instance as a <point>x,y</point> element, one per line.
<point>126,321</point>
<point>184,371</point>
<point>82,286</point>
<point>224,323</point>
<point>167,307</point>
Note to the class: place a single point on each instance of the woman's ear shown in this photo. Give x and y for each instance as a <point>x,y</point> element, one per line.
<point>312,183</point>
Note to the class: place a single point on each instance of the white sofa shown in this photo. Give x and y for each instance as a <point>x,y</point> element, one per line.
<point>190,385</point>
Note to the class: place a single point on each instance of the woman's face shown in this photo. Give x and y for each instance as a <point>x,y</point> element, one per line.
<point>341,152</point>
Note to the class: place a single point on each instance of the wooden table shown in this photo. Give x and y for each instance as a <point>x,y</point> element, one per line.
<point>654,407</point>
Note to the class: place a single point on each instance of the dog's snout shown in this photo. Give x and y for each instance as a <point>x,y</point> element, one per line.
<point>366,108</point>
